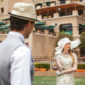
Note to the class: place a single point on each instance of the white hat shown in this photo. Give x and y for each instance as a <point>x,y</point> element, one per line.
<point>24,11</point>
<point>62,42</point>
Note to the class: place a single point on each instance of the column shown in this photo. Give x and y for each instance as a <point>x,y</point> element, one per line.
<point>75,12</point>
<point>75,30</point>
<point>56,15</point>
<point>68,1</point>
<point>46,32</point>
<point>39,17</point>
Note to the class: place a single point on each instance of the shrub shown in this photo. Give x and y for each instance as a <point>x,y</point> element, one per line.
<point>42,65</point>
<point>46,66</point>
<point>81,66</point>
<point>82,38</point>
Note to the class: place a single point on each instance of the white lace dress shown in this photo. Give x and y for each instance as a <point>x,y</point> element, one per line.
<point>66,60</point>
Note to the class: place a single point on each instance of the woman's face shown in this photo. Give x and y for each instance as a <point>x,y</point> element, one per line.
<point>67,46</point>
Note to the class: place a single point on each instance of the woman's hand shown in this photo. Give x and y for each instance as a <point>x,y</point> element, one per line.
<point>59,73</point>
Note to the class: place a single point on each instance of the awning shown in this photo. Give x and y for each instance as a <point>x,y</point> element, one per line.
<point>39,23</point>
<point>44,27</point>
<point>5,19</point>
<point>82,26</point>
<point>51,26</point>
<point>48,2</point>
<point>38,4</point>
<point>2,28</point>
<point>68,32</point>
<point>1,23</point>
<point>5,27</point>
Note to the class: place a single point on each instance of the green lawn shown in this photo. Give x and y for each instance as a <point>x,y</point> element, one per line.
<point>39,80</point>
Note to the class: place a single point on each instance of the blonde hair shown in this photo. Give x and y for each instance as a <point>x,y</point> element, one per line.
<point>72,56</point>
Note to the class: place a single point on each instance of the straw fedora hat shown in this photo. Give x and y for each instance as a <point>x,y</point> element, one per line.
<point>24,11</point>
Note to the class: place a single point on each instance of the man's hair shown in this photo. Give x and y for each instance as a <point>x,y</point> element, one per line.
<point>17,23</point>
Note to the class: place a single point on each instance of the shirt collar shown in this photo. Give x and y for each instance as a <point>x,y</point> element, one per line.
<point>18,35</point>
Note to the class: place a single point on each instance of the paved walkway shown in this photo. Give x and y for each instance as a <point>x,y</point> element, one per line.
<point>52,73</point>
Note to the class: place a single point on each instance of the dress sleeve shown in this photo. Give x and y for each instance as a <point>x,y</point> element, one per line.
<point>58,61</point>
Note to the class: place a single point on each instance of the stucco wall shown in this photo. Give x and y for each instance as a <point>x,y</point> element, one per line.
<point>43,45</point>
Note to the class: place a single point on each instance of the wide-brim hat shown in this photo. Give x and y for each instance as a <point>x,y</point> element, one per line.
<point>62,42</point>
<point>24,11</point>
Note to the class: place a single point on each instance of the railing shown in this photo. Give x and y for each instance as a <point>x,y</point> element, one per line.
<point>50,60</point>
<point>81,59</point>
<point>42,60</point>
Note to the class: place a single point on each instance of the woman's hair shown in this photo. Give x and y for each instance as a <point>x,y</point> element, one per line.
<point>71,53</point>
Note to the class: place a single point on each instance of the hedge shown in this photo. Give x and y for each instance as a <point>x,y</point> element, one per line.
<point>47,66</point>
<point>42,65</point>
<point>81,66</point>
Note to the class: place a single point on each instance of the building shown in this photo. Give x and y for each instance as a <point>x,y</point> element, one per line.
<point>61,15</point>
<point>6,6</point>
<point>66,15</point>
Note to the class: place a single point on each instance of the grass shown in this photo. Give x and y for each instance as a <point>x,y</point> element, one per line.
<point>41,80</point>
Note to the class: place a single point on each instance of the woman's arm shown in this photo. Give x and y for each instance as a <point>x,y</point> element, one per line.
<point>59,66</point>
<point>58,63</point>
<point>72,69</point>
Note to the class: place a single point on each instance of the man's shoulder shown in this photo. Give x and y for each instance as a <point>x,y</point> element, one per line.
<point>23,48</point>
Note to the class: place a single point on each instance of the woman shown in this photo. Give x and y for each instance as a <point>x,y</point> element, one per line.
<point>66,61</point>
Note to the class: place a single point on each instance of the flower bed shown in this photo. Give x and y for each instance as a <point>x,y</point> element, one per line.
<point>80,70</point>
<point>40,69</point>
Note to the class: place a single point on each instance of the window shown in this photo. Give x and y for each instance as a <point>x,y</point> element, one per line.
<point>61,13</point>
<point>81,28</point>
<point>2,10</point>
<point>81,0</point>
<point>62,1</point>
<point>82,52</point>
<point>80,12</point>
<point>66,28</point>
<point>66,12</point>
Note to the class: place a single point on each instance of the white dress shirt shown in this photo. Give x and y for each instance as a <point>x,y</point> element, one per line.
<point>20,64</point>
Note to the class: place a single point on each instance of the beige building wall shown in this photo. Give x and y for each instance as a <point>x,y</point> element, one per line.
<point>2,37</point>
<point>65,20</point>
<point>7,6</point>
<point>43,45</point>
<point>4,7</point>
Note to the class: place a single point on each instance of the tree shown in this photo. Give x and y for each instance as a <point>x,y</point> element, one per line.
<point>63,35</point>
<point>82,39</point>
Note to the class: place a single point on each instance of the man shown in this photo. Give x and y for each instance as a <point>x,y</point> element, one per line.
<point>16,65</point>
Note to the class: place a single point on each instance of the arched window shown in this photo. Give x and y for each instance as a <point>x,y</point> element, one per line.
<point>66,28</point>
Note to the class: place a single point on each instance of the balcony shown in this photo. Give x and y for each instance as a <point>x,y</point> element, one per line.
<point>41,5</point>
<point>77,1</point>
<point>59,11</point>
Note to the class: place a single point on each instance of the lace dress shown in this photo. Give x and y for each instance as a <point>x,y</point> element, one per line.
<point>66,60</point>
